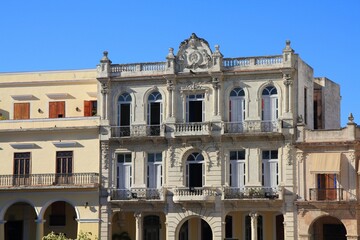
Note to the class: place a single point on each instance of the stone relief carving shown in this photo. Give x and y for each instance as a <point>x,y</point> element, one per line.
<point>300,157</point>
<point>105,154</point>
<point>287,154</point>
<point>194,54</point>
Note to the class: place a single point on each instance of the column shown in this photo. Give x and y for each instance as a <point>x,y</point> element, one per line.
<point>254,217</point>
<point>104,92</point>
<point>287,82</point>
<point>170,88</point>
<point>39,229</point>
<point>2,229</point>
<point>138,223</point>
<point>215,83</point>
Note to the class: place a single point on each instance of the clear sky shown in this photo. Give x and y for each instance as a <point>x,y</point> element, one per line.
<point>71,34</point>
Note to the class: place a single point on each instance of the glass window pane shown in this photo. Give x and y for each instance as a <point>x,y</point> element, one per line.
<point>151,157</point>
<point>233,155</point>
<point>274,154</point>
<point>265,155</point>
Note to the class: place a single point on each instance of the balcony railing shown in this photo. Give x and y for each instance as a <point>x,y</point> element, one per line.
<point>194,194</point>
<point>193,128</point>
<point>49,180</point>
<point>326,194</point>
<point>252,192</point>
<point>251,126</point>
<point>137,131</point>
<point>138,193</point>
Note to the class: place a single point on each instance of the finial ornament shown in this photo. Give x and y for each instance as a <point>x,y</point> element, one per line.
<point>351,119</point>
<point>288,47</point>
<point>105,58</point>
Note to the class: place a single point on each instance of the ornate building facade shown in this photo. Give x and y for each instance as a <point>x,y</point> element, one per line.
<point>199,146</point>
<point>203,147</point>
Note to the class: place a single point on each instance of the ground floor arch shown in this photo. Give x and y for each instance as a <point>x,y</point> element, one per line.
<point>61,217</point>
<point>327,228</point>
<point>20,221</point>
<point>195,228</point>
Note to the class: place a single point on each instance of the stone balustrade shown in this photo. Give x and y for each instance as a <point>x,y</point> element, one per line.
<point>138,193</point>
<point>194,194</point>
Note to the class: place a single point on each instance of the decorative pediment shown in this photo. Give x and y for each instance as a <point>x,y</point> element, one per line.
<point>194,55</point>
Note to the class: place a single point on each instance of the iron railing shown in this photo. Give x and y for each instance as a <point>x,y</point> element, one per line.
<point>251,192</point>
<point>137,131</point>
<point>326,194</point>
<point>137,193</point>
<point>48,180</point>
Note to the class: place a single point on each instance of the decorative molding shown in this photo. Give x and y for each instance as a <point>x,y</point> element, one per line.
<point>194,54</point>
<point>59,96</point>
<point>65,144</point>
<point>23,145</point>
<point>105,154</point>
<point>92,94</point>
<point>24,97</point>
<point>299,157</point>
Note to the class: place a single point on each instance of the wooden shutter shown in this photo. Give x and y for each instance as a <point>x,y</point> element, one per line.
<point>21,111</point>
<point>87,108</point>
<point>57,109</point>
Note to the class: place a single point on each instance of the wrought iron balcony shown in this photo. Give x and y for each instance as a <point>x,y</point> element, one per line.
<point>50,180</point>
<point>251,126</point>
<point>194,194</point>
<point>252,192</point>
<point>326,194</point>
<point>137,131</point>
<point>138,193</point>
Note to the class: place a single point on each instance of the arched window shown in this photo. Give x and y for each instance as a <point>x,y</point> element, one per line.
<point>154,113</point>
<point>236,110</point>
<point>269,104</point>
<point>195,170</point>
<point>124,114</point>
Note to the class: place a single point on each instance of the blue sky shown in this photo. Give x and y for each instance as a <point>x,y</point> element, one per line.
<point>68,34</point>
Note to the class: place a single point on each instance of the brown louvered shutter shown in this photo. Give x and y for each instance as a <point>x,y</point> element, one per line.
<point>87,108</point>
<point>57,109</point>
<point>21,111</point>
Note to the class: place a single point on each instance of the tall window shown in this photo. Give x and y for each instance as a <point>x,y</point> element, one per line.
<point>326,184</point>
<point>237,169</point>
<point>195,170</point>
<point>21,168</point>
<point>64,167</point>
<point>21,111</point>
<point>124,114</point>
<point>154,170</point>
<point>237,105</point>
<point>154,113</point>
<point>270,169</point>
<point>124,174</point>
<point>269,104</point>
<point>195,108</point>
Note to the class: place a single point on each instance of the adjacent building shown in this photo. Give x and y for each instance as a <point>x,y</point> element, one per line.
<point>49,153</point>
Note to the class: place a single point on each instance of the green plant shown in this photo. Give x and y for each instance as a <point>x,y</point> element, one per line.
<point>61,236</point>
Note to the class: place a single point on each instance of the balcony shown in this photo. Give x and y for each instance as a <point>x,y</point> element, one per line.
<point>138,193</point>
<point>326,194</point>
<point>252,192</point>
<point>251,126</point>
<point>184,194</point>
<point>194,128</point>
<point>137,131</point>
<point>49,123</point>
<point>40,181</point>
